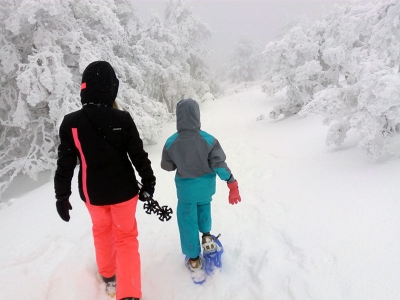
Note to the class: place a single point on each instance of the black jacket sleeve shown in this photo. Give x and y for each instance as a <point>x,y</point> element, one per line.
<point>66,163</point>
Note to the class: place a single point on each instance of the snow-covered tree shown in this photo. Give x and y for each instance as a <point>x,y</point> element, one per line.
<point>193,35</point>
<point>292,64</point>
<point>245,61</point>
<point>37,84</point>
<point>350,73</point>
<point>44,48</point>
<point>46,45</point>
<point>163,60</point>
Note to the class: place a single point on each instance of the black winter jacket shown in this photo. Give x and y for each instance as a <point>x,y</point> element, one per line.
<point>106,141</point>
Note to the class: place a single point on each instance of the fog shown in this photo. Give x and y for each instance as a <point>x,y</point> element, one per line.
<point>263,20</point>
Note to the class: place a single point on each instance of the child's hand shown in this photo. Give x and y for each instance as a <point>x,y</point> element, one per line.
<point>234,196</point>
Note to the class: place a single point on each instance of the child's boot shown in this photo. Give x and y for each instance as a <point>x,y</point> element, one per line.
<point>195,265</point>
<point>208,243</point>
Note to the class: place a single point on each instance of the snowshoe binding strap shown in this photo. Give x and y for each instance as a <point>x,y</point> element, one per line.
<point>208,243</point>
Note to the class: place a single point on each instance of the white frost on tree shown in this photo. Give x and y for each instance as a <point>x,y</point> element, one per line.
<point>165,61</point>
<point>46,45</point>
<point>245,61</point>
<point>291,65</point>
<point>346,68</point>
<point>193,35</point>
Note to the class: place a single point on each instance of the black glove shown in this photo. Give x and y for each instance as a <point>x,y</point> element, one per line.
<point>147,189</point>
<point>63,208</point>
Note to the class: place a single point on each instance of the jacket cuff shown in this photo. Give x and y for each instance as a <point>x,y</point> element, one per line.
<point>62,198</point>
<point>231,179</point>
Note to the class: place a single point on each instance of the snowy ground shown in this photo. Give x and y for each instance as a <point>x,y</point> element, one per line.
<point>314,222</point>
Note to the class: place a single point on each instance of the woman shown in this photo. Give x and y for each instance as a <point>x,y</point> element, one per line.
<point>107,143</point>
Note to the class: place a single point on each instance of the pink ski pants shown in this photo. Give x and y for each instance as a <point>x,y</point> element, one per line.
<point>117,249</point>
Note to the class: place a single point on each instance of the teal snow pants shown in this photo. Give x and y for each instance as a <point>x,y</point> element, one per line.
<point>192,219</point>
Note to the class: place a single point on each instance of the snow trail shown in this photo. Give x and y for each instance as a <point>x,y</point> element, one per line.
<point>314,222</point>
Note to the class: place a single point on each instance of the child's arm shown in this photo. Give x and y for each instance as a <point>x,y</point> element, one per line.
<point>217,162</point>
<point>166,161</point>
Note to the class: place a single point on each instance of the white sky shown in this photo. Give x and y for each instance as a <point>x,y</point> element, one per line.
<point>261,18</point>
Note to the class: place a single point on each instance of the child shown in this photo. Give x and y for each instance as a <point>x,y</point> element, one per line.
<point>197,157</point>
<point>106,141</point>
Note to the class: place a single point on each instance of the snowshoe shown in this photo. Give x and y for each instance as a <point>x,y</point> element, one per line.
<point>111,286</point>
<point>212,253</point>
<point>196,270</point>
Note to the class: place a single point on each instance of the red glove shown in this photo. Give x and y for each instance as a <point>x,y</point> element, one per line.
<point>234,197</point>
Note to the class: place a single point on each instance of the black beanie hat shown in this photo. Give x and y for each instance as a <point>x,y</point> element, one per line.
<point>99,84</point>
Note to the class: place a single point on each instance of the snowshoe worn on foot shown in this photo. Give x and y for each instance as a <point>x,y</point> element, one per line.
<point>212,252</point>
<point>111,285</point>
<point>208,244</point>
<point>196,269</point>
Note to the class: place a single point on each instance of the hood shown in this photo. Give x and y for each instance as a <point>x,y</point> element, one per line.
<point>99,84</point>
<point>188,115</point>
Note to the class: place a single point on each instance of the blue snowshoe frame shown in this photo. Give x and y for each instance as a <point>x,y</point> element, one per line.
<point>213,259</point>
<point>193,278</point>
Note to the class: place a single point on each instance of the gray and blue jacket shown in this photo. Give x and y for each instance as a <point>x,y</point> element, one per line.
<point>196,156</point>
